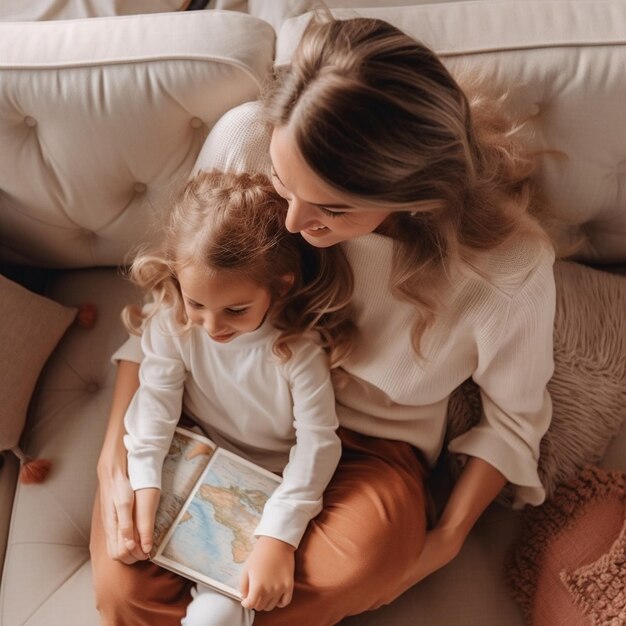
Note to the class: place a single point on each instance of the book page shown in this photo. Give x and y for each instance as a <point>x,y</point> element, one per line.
<point>188,456</point>
<point>213,535</point>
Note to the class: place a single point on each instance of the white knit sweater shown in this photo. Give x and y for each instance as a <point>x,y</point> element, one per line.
<point>496,327</point>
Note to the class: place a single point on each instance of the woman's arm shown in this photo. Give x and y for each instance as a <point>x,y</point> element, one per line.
<point>512,375</point>
<point>476,488</point>
<point>116,495</point>
<point>516,414</point>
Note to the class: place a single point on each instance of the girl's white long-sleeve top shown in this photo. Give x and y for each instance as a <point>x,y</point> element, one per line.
<point>279,415</point>
<point>496,326</point>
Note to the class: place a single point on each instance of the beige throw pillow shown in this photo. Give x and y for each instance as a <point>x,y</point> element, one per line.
<point>30,328</point>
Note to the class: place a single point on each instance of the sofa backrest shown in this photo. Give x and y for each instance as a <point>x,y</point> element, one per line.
<point>564,66</point>
<point>101,121</point>
<point>20,11</point>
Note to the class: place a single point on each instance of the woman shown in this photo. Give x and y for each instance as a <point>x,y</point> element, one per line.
<point>377,149</point>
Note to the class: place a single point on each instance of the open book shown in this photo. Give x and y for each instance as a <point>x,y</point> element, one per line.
<point>211,502</point>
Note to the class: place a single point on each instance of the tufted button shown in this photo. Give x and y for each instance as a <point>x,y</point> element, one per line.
<point>31,122</point>
<point>535,109</point>
<point>139,187</point>
<point>91,387</point>
<point>196,122</point>
<point>86,233</point>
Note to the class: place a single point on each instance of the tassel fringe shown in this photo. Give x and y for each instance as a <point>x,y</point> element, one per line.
<point>87,315</point>
<point>32,471</point>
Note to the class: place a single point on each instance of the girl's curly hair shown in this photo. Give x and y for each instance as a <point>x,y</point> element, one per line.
<point>235,223</point>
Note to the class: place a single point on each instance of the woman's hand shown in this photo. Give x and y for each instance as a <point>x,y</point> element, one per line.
<point>117,499</point>
<point>116,505</point>
<point>267,580</point>
<point>474,491</point>
<point>442,544</point>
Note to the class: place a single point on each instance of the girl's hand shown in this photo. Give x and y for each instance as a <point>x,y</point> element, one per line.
<point>267,580</point>
<point>146,503</point>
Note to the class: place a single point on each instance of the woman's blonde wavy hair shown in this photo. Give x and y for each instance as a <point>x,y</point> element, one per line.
<point>378,117</point>
<point>235,223</point>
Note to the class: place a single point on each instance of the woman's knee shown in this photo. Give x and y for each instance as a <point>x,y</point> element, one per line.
<point>374,497</point>
<point>116,584</point>
<point>139,594</point>
<point>373,525</point>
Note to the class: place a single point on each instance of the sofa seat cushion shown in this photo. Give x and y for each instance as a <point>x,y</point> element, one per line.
<point>47,577</point>
<point>469,591</point>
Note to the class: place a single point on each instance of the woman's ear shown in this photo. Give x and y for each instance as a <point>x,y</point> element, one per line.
<point>287,281</point>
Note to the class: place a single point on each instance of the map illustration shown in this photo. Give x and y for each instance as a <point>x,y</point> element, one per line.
<point>186,460</point>
<point>214,532</point>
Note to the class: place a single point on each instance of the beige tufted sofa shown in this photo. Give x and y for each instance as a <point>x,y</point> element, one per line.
<point>101,121</point>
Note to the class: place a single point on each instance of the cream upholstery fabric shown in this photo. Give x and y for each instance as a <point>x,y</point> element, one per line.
<point>21,11</point>
<point>47,579</point>
<point>276,12</point>
<point>101,121</point>
<point>9,471</point>
<point>91,111</point>
<point>563,64</point>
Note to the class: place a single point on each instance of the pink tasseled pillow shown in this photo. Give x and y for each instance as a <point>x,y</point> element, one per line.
<point>568,567</point>
<point>588,388</point>
<point>30,328</point>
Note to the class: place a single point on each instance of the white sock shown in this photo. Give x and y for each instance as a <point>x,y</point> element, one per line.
<point>211,608</point>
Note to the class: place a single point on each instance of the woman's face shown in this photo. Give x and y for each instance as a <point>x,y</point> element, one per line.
<point>316,211</point>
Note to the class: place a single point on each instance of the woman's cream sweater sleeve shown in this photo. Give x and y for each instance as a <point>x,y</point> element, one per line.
<point>512,374</point>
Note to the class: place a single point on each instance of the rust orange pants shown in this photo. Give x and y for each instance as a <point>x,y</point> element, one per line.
<point>351,558</point>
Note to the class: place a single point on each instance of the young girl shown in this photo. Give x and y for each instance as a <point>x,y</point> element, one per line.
<point>228,337</point>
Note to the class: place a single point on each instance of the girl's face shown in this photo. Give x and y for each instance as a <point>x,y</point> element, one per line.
<point>316,210</point>
<point>223,305</point>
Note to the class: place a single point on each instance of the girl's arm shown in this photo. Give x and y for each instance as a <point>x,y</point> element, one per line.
<point>116,495</point>
<point>267,581</point>
<point>476,488</point>
<point>316,451</point>
<point>151,417</point>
